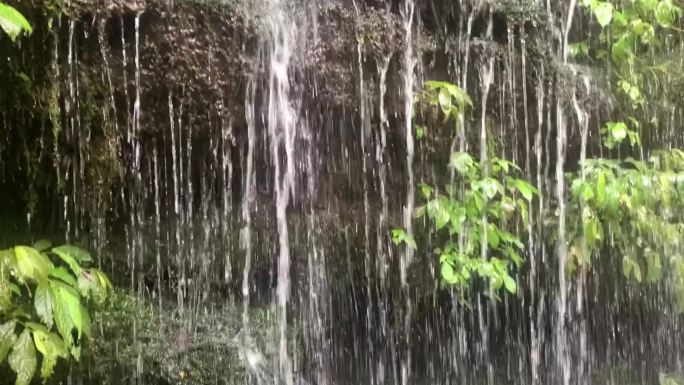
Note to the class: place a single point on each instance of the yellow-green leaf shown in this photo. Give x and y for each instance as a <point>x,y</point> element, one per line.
<point>23,360</point>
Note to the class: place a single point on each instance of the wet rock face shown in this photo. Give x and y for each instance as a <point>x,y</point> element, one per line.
<point>147,106</point>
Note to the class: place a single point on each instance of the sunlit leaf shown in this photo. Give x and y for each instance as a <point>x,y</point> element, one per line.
<point>603,11</point>
<point>22,359</point>
<point>510,284</point>
<point>13,22</point>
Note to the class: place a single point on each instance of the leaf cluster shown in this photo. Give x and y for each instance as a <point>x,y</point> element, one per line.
<point>45,293</point>
<point>632,209</point>
<point>470,216</point>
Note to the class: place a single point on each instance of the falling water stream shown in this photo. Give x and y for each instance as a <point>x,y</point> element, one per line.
<point>255,156</point>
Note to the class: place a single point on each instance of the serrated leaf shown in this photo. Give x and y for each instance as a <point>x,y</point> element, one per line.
<point>31,264</point>
<point>68,299</point>
<point>64,275</point>
<point>23,360</point>
<point>51,347</point>
<point>44,304</point>
<point>7,338</point>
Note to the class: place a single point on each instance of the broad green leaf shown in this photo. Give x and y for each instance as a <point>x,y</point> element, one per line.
<point>622,49</point>
<point>64,275</point>
<point>461,161</point>
<point>63,320</point>
<point>32,265</point>
<point>22,359</point>
<point>489,187</point>
<point>7,338</point>
<point>666,12</point>
<point>441,217</point>
<point>50,346</point>
<point>67,310</point>
<point>448,272</point>
<point>603,11</point>
<point>44,303</point>
<point>13,22</point>
<point>525,189</point>
<point>493,238</point>
<point>618,130</point>
<point>70,261</point>
<point>74,252</point>
<point>42,245</point>
<point>510,284</point>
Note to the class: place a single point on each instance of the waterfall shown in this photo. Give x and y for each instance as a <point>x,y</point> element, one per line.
<point>282,128</point>
<point>245,162</point>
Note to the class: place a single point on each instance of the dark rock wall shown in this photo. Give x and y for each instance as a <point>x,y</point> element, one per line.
<point>124,125</point>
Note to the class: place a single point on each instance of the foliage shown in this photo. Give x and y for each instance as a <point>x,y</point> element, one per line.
<point>640,45</point>
<point>634,31</point>
<point>44,305</point>
<point>13,22</point>
<point>470,217</point>
<point>168,346</point>
<point>632,209</point>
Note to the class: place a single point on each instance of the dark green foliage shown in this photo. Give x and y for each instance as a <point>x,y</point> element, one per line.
<point>45,294</point>
<point>163,346</point>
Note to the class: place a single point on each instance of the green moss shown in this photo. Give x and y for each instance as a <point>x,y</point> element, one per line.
<point>133,339</point>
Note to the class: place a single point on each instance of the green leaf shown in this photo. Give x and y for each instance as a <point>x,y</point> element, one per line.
<point>50,346</point>
<point>74,252</point>
<point>426,190</point>
<point>580,49</point>
<point>69,259</point>
<point>601,189</point>
<point>13,22</point>
<point>622,49</point>
<point>489,187</point>
<point>510,284</point>
<point>603,11</point>
<point>445,100</point>
<point>666,12</point>
<point>67,301</point>
<point>42,245</point>
<point>32,265</point>
<point>420,132</point>
<point>448,273</point>
<point>525,189</point>
<point>7,338</point>
<point>64,275</point>
<point>43,303</point>
<point>23,360</point>
<point>618,130</point>
<point>493,238</point>
<point>462,162</point>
